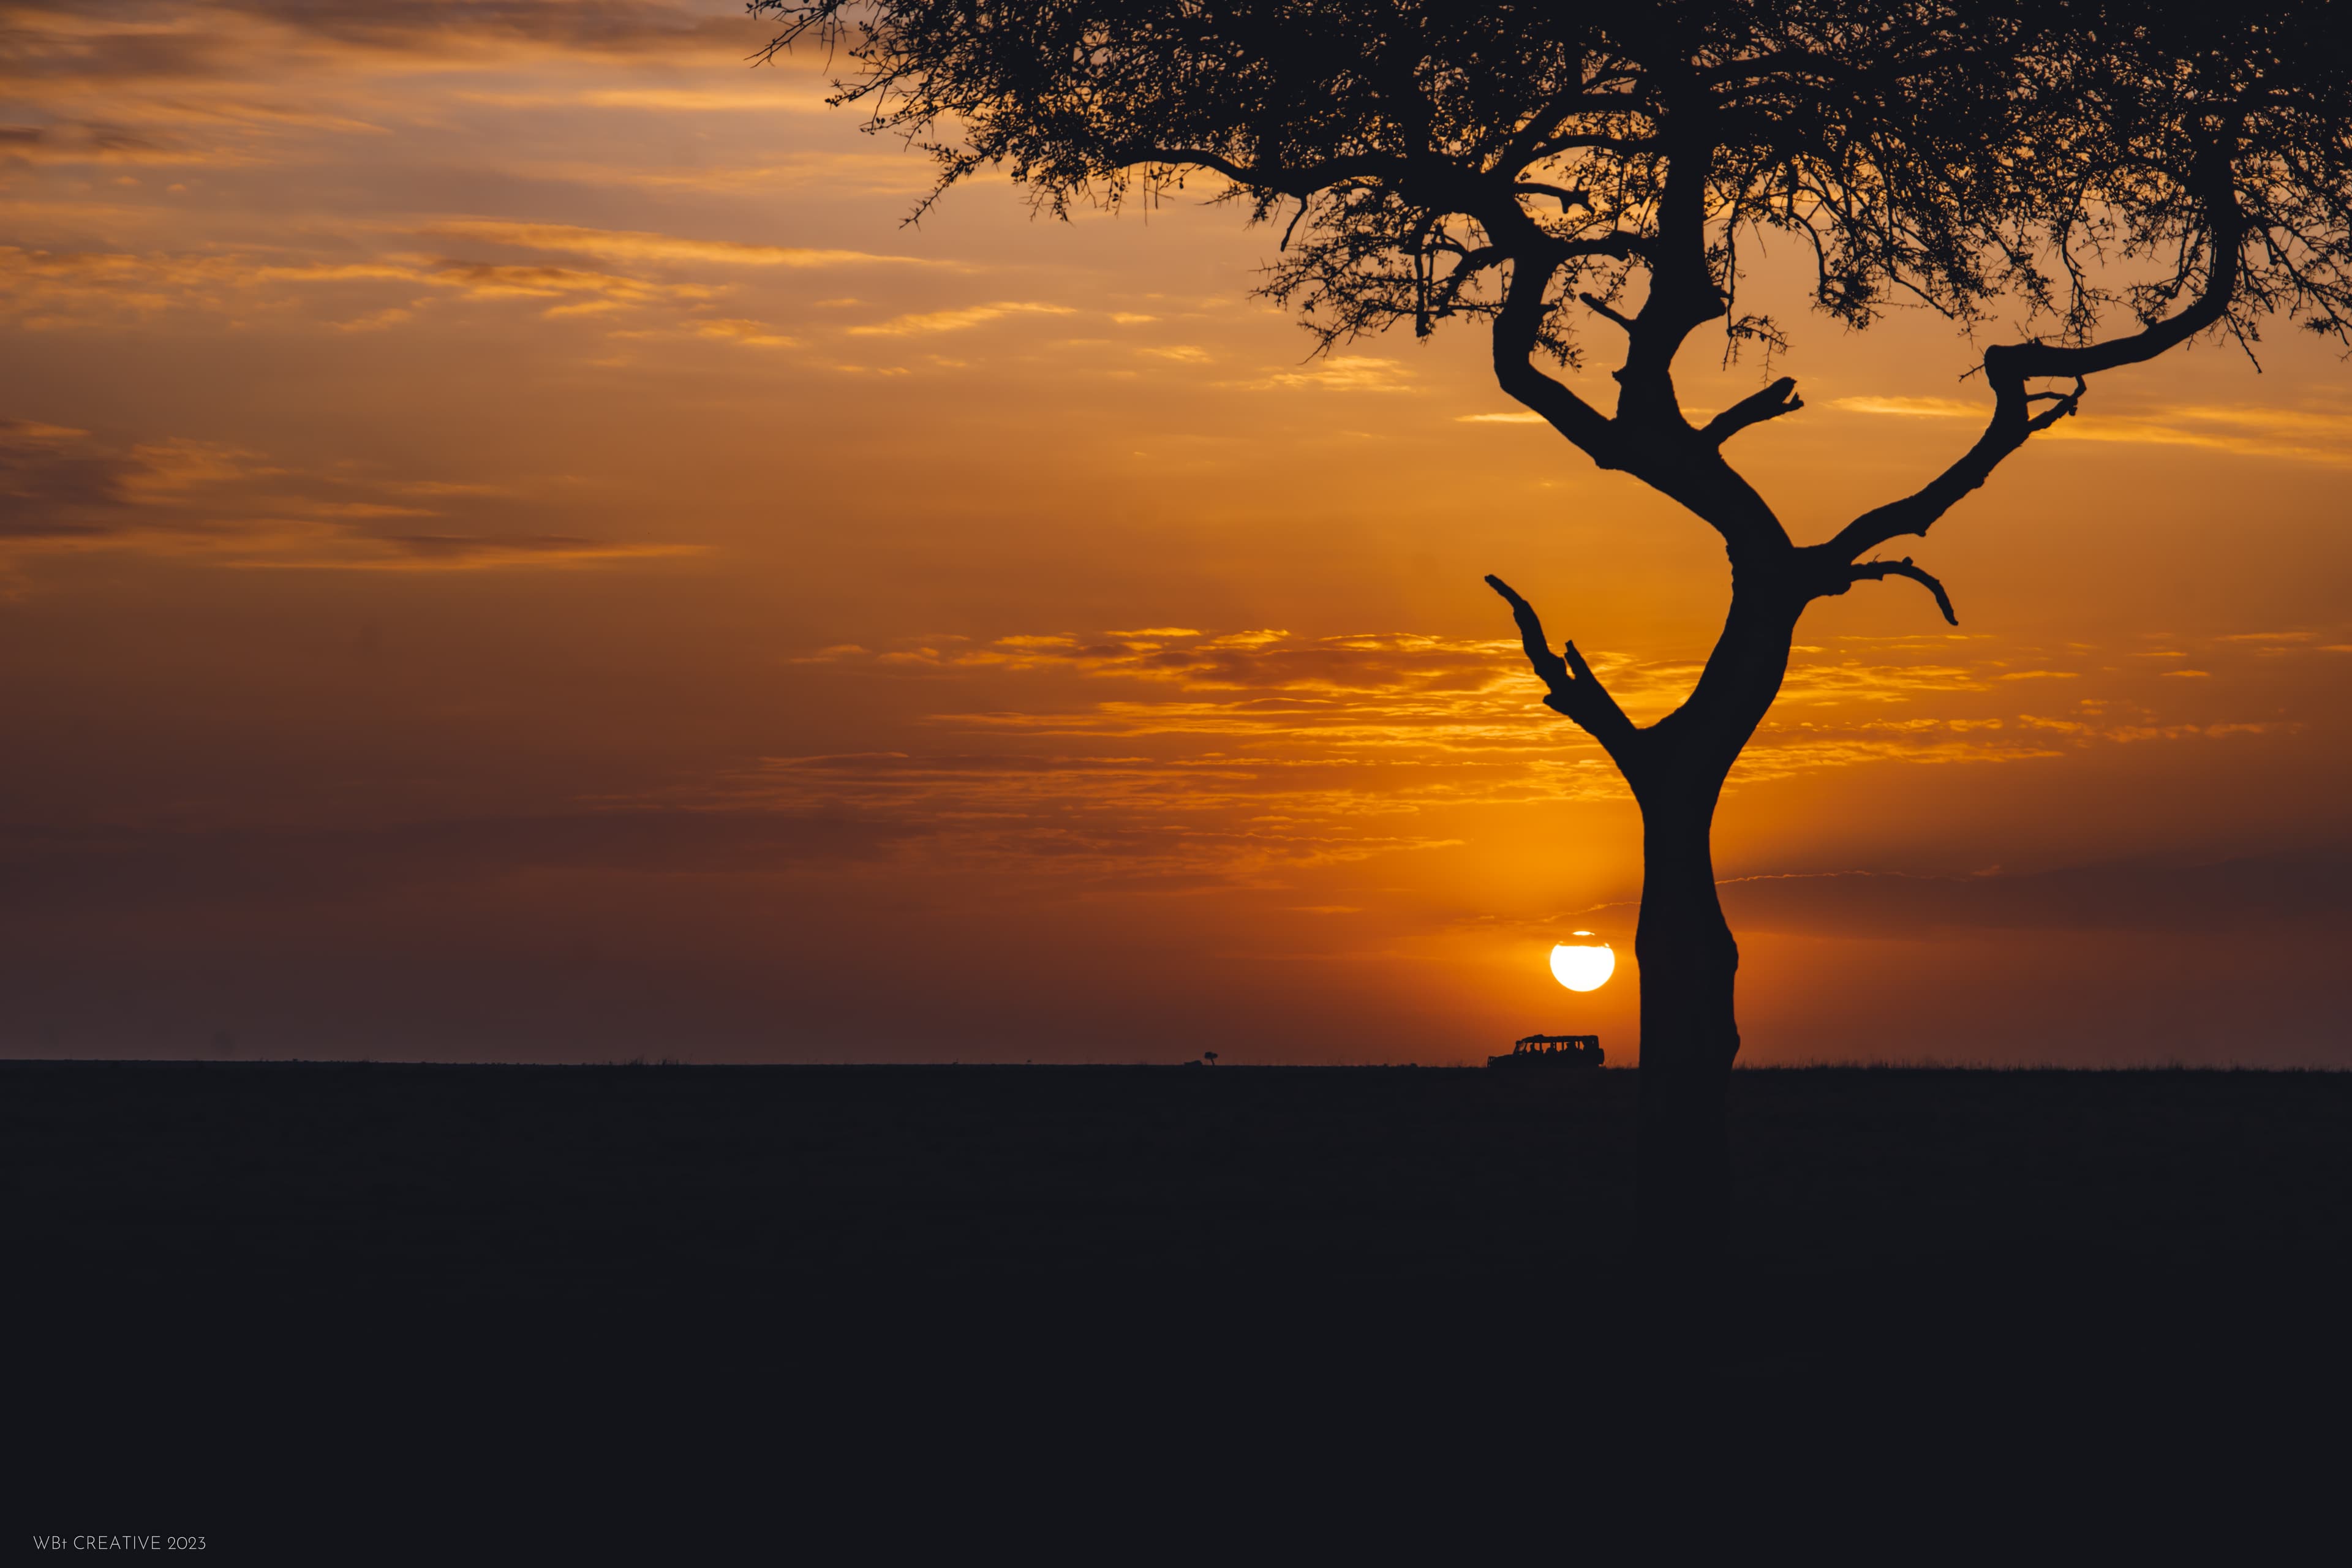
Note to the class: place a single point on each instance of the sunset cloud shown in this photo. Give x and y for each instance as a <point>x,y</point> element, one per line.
<point>634,244</point>
<point>956,320</point>
<point>51,477</point>
<point>1233,732</point>
<point>467,553</point>
<point>2321,435</point>
<point>198,38</point>
<point>483,280</point>
<point>67,490</point>
<point>49,289</point>
<point>1913,408</point>
<point>751,334</point>
<point>1126,820</point>
<point>1341,372</point>
<point>2251,892</point>
<point>2299,435</point>
<point>771,97</point>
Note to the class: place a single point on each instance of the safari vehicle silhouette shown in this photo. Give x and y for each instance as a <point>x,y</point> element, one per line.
<point>1551,1052</point>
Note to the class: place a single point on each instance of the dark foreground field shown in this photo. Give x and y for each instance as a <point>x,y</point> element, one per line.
<point>934,1256</point>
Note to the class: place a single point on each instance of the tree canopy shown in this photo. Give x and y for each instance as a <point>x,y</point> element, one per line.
<point>1545,166</point>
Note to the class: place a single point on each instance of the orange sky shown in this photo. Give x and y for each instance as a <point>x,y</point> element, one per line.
<point>511,550</point>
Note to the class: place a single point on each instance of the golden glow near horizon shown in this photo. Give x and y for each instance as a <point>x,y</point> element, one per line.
<point>511,546</point>
<point>1583,965</point>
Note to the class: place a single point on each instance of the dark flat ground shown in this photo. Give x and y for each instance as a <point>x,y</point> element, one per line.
<point>1162,1246</point>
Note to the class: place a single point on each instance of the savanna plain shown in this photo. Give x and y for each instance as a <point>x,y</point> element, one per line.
<point>1917,1248</point>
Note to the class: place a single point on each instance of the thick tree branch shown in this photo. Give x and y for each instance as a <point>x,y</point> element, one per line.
<point>1527,146</point>
<point>1572,689</point>
<point>1299,182</point>
<point>1651,441</point>
<point>1516,328</point>
<point>1879,571</point>
<point>1648,437</point>
<point>1774,401</point>
<point>1631,146</point>
<point>1683,293</point>
<point>2009,429</point>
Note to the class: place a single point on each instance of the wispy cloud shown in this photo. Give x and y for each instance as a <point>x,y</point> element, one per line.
<point>1228,755</point>
<point>1911,407</point>
<point>751,334</point>
<point>641,245</point>
<point>2307,435</point>
<point>483,280</point>
<point>2302,435</point>
<point>469,552</point>
<point>956,320</point>
<point>2305,887</point>
<point>65,490</point>
<point>42,289</point>
<point>1343,372</point>
<point>771,97</point>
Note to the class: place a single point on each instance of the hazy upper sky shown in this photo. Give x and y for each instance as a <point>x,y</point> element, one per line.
<point>512,549</point>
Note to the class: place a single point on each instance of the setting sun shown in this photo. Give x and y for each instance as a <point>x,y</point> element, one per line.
<point>1583,963</point>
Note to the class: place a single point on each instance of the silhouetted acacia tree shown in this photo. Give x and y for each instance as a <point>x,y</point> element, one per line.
<point>1545,168</point>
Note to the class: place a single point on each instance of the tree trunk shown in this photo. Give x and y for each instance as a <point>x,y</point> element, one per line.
<point>1689,1037</point>
<point>1688,961</point>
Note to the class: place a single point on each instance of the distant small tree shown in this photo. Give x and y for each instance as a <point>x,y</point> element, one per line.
<point>2122,175</point>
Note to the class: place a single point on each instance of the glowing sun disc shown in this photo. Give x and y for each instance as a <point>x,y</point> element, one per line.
<point>1583,965</point>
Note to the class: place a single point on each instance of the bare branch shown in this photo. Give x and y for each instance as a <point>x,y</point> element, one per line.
<point>1550,667</point>
<point>1879,571</point>
<point>1571,689</point>
<point>2064,404</point>
<point>1566,198</point>
<point>1305,207</point>
<point>1600,307</point>
<point>1526,148</point>
<point>1449,288</point>
<point>1774,401</point>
